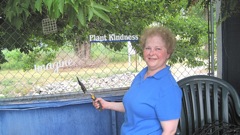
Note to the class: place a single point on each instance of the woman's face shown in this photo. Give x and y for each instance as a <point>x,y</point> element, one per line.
<point>155,53</point>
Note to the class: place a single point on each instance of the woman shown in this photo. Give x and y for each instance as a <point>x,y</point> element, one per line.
<point>152,105</point>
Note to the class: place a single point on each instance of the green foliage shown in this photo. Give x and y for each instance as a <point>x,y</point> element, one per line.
<point>128,18</point>
<point>228,7</point>
<point>102,51</point>
<point>14,59</point>
<point>7,82</point>
<point>190,25</point>
<point>39,56</point>
<point>191,31</point>
<point>42,56</point>
<point>18,11</point>
<point>78,19</point>
<point>21,20</point>
<point>17,60</point>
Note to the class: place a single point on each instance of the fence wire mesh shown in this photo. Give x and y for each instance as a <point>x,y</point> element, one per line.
<point>49,71</point>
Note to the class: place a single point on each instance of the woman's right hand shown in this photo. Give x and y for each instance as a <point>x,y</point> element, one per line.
<point>100,103</point>
<point>115,106</point>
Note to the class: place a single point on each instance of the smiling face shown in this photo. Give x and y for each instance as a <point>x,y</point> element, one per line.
<point>155,53</point>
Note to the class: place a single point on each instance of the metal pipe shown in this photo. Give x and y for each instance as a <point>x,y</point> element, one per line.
<point>212,37</point>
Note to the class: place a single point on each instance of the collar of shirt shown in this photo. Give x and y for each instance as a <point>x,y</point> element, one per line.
<point>158,75</point>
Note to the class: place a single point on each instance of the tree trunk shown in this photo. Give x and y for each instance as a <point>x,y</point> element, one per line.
<point>83,50</point>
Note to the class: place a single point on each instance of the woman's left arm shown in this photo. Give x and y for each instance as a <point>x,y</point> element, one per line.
<point>169,127</point>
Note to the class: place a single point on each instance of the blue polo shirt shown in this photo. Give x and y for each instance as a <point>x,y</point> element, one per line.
<point>149,101</point>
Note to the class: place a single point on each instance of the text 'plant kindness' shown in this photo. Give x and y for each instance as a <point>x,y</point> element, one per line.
<point>112,38</point>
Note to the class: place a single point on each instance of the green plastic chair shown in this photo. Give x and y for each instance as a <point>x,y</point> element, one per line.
<point>210,106</point>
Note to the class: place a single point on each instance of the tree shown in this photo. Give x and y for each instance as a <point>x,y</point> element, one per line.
<point>19,15</point>
<point>132,17</point>
<point>127,17</point>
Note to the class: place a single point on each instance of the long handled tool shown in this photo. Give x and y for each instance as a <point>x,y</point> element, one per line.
<point>93,97</point>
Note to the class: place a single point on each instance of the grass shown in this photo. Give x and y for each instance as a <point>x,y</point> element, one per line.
<point>23,82</point>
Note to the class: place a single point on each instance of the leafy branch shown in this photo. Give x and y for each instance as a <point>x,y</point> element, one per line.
<point>17,12</point>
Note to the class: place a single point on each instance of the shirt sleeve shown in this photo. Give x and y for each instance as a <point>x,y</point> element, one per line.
<point>170,103</point>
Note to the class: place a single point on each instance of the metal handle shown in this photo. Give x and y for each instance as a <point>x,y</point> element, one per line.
<point>94,98</point>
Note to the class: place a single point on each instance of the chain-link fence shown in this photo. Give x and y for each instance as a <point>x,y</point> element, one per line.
<point>50,70</point>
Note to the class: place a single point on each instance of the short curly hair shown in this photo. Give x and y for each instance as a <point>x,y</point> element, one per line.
<point>165,33</point>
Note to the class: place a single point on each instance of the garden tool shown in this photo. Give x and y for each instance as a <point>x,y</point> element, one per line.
<point>93,97</point>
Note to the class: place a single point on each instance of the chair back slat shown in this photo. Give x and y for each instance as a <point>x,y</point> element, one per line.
<point>200,102</point>
<point>186,123</point>
<point>215,111</point>
<point>225,95</point>
<point>209,107</point>
<point>194,105</point>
